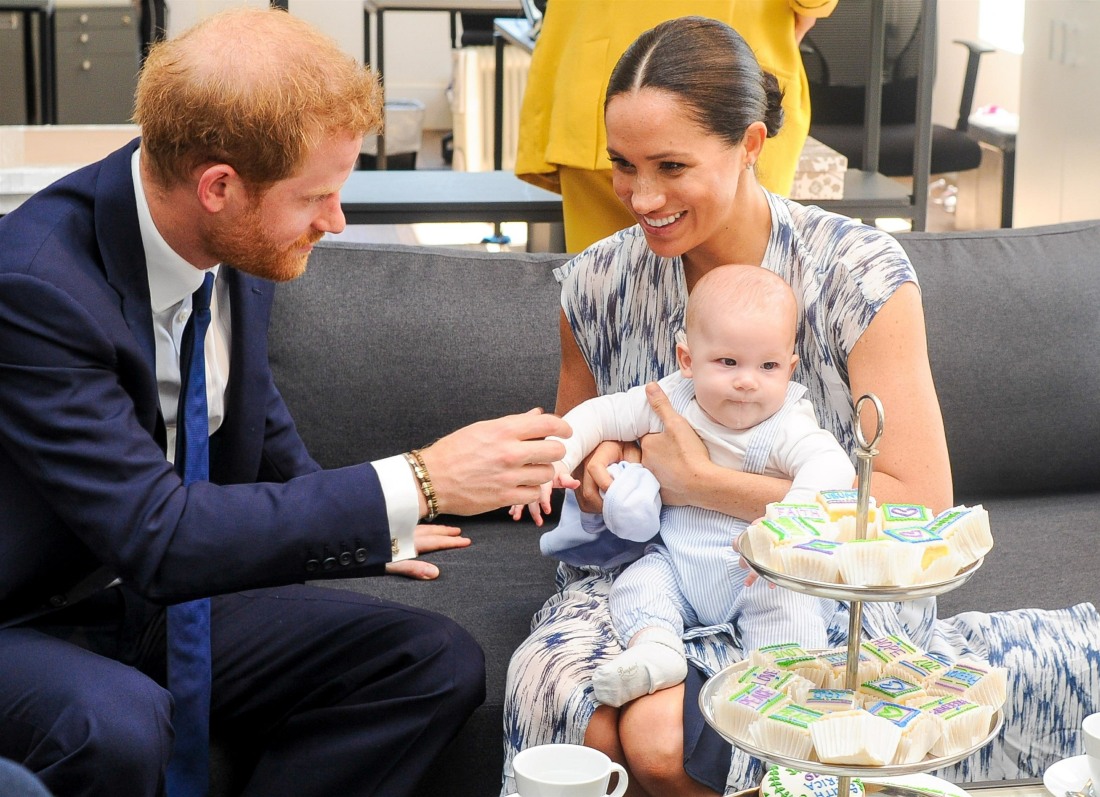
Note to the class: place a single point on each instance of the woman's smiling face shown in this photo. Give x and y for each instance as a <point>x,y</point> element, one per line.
<point>678,179</point>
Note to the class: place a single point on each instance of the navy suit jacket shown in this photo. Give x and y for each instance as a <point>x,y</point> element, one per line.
<point>84,481</point>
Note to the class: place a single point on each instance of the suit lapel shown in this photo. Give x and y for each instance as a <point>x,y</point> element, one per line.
<point>119,237</point>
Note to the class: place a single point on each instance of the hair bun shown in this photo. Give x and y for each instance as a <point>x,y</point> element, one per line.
<point>773,115</point>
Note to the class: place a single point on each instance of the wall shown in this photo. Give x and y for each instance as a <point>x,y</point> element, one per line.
<point>998,75</point>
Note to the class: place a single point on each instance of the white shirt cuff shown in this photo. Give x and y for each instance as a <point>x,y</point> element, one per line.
<point>402,504</point>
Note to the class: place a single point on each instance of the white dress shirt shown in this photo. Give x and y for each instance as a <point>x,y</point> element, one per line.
<point>172,280</point>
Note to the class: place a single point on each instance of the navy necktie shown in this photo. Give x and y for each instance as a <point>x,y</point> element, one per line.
<point>189,623</point>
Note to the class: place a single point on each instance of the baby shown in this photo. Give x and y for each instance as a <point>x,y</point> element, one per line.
<point>734,388</point>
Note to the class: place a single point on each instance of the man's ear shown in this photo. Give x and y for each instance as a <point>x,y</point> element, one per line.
<point>683,357</point>
<point>217,185</point>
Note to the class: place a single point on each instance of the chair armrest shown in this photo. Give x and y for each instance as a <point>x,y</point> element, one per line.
<point>976,51</point>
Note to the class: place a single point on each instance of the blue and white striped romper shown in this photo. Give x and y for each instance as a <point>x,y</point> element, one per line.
<point>693,579</point>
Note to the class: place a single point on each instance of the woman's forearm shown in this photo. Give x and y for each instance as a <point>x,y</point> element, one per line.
<point>732,492</point>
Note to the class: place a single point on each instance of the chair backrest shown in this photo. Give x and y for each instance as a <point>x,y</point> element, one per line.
<point>834,53</point>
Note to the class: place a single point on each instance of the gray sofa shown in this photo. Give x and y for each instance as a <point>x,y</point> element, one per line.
<point>382,348</point>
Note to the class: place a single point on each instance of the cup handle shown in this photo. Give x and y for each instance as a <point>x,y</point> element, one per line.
<point>621,781</point>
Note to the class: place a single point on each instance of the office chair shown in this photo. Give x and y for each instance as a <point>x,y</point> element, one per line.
<point>835,55</point>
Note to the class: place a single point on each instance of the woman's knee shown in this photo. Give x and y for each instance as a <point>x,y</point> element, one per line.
<point>651,730</point>
<point>602,733</point>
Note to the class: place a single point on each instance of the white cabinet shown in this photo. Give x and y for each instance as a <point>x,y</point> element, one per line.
<point>1058,146</point>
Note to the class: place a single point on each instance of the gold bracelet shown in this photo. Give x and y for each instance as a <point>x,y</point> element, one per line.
<point>424,481</point>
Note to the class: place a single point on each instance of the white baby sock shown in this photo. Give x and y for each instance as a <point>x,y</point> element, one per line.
<point>655,660</point>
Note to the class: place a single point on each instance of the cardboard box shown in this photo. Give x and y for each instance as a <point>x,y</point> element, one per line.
<point>820,173</point>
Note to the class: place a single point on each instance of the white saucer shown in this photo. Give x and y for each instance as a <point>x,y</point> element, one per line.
<point>1068,774</point>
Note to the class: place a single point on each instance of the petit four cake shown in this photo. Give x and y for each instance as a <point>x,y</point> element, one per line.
<point>938,562</point>
<point>919,731</point>
<point>840,507</point>
<point>785,731</point>
<point>887,649</point>
<point>974,681</point>
<point>855,737</point>
<point>904,515</point>
<point>878,563</point>
<point>893,690</point>
<point>966,530</point>
<point>920,669</point>
<point>837,662</point>
<point>814,513</point>
<point>962,723</point>
<point>790,683</point>
<point>814,560</point>
<point>767,536</point>
<point>826,700</point>
<point>780,650</point>
<point>738,711</point>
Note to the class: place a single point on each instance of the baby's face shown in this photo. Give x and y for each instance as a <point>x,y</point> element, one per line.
<point>741,364</point>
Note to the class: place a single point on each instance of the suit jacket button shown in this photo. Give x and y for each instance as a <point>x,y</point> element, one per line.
<point>345,558</point>
<point>329,563</point>
<point>312,565</point>
<point>360,555</point>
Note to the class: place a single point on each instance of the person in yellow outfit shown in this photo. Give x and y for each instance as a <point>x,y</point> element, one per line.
<point>562,140</point>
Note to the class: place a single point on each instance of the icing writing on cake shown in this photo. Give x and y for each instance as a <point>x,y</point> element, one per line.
<point>830,699</point>
<point>825,547</point>
<point>766,676</point>
<point>810,512</point>
<point>960,678</point>
<point>906,513</point>
<point>786,782</point>
<point>921,667</point>
<point>891,687</point>
<point>756,697</point>
<point>948,707</point>
<point>796,715</point>
<point>888,648</point>
<point>786,529</point>
<point>900,715</point>
<point>912,534</point>
<point>946,519</point>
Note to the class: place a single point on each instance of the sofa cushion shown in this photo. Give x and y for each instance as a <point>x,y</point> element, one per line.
<point>1028,567</point>
<point>1013,322</point>
<point>349,354</point>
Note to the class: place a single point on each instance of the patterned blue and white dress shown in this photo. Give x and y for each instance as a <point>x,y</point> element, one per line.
<point>626,306</point>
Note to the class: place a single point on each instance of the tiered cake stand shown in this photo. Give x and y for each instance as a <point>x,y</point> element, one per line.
<point>855,596</point>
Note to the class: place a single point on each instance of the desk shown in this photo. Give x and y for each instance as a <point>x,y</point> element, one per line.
<point>411,197</point>
<point>867,195</point>
<point>1003,139</point>
<point>376,56</point>
<point>37,66</point>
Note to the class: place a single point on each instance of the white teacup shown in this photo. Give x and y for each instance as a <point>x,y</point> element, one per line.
<point>566,770</point>
<point>1090,735</point>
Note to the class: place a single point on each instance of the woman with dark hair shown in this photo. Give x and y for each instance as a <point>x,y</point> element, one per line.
<point>688,112</point>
